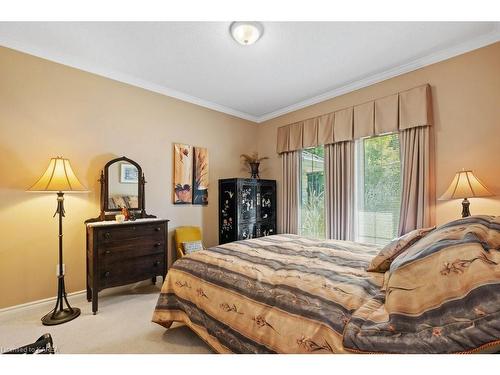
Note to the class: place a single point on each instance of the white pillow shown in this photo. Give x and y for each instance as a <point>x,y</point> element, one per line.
<point>192,246</point>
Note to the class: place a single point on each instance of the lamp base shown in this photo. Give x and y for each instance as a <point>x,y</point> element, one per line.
<point>465,207</point>
<point>60,316</point>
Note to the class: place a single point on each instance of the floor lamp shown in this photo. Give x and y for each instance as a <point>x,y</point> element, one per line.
<point>60,178</point>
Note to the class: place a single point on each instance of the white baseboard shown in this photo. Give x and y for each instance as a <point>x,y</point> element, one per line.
<point>39,302</point>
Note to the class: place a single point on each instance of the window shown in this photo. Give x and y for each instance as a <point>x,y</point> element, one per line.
<point>312,193</point>
<point>378,189</point>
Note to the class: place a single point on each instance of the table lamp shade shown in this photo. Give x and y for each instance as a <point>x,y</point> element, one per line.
<point>59,176</point>
<point>465,185</point>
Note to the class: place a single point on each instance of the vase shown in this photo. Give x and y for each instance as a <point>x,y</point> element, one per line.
<point>254,169</point>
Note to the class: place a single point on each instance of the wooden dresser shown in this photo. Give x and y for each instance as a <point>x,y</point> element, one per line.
<point>123,253</point>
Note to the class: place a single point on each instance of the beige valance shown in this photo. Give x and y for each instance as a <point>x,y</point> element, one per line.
<point>325,129</point>
<point>415,107</point>
<point>386,114</point>
<point>310,132</point>
<point>404,110</point>
<point>295,136</point>
<point>343,125</point>
<point>283,135</point>
<point>364,118</point>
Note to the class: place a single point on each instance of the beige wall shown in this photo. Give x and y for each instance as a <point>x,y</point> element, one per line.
<point>466,99</point>
<point>47,109</point>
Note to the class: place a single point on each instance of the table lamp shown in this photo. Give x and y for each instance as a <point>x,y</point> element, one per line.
<point>60,178</point>
<point>465,185</point>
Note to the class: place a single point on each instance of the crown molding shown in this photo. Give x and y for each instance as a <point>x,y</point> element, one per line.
<point>472,44</point>
<point>124,78</point>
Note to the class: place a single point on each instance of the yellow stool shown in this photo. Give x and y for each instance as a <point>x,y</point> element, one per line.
<point>185,234</point>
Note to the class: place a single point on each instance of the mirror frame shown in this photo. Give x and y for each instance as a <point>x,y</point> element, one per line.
<point>109,214</point>
<point>140,186</point>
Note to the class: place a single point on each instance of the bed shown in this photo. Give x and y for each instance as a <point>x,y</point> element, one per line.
<point>290,294</point>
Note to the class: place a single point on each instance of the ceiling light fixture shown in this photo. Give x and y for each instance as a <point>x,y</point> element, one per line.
<point>246,33</point>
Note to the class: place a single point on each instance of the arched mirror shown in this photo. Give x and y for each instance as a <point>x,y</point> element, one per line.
<point>122,190</point>
<point>122,186</point>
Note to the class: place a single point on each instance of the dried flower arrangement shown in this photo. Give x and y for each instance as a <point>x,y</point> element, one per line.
<point>253,161</point>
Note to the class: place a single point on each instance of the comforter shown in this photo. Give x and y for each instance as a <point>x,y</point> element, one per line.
<point>275,294</point>
<point>288,294</point>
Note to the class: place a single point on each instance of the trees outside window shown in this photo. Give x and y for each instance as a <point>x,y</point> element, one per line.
<point>378,189</point>
<point>312,193</point>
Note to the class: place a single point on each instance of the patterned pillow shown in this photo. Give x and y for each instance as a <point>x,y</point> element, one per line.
<point>192,246</point>
<point>443,295</point>
<point>383,260</point>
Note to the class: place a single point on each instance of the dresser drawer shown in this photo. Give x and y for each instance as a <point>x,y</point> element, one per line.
<point>117,251</point>
<point>131,232</point>
<point>130,270</point>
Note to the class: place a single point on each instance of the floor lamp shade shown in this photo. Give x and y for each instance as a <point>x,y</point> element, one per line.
<point>465,185</point>
<point>60,178</point>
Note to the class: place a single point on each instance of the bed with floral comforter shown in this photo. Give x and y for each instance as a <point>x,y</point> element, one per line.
<point>290,294</point>
<point>275,294</point>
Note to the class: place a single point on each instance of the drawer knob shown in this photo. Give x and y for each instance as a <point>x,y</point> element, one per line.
<point>107,252</point>
<point>157,229</point>
<point>158,244</point>
<point>156,263</point>
<point>107,235</point>
<point>106,274</point>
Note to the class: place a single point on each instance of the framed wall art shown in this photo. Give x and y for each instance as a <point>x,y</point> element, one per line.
<point>200,176</point>
<point>183,174</point>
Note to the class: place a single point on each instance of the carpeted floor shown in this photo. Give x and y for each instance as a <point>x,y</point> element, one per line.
<point>122,325</point>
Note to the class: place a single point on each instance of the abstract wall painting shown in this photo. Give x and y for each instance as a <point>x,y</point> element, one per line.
<point>200,176</point>
<point>183,173</point>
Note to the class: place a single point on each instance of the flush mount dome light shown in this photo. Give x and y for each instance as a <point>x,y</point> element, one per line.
<point>246,33</point>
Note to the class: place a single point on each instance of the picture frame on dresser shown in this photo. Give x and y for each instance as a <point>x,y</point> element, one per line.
<point>120,253</point>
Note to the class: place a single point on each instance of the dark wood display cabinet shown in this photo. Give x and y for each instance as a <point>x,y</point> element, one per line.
<point>247,209</point>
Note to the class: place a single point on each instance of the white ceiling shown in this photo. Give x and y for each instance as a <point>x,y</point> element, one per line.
<point>295,64</point>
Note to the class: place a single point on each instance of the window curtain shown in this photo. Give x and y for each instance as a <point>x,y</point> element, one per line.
<point>339,188</point>
<point>289,192</point>
<point>417,190</point>
<point>407,112</point>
